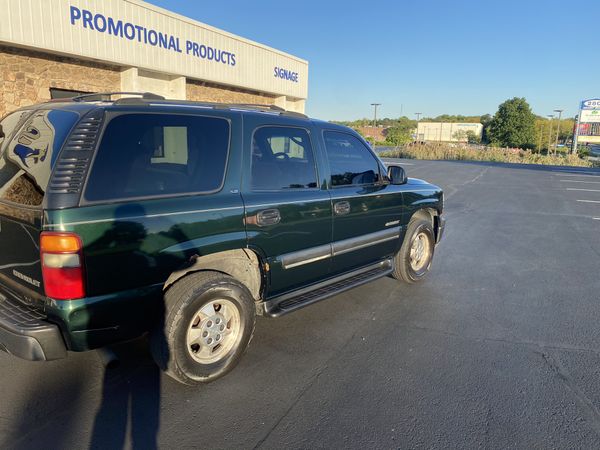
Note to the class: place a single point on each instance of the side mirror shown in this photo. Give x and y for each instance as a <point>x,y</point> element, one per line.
<point>397,175</point>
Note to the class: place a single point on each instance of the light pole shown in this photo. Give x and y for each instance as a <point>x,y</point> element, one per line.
<point>375,121</point>
<point>550,116</point>
<point>559,111</point>
<point>418,114</point>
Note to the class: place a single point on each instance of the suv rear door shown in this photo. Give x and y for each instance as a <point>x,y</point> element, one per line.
<point>287,206</point>
<point>28,151</point>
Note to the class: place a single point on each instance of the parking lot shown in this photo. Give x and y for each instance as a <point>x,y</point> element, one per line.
<point>500,347</point>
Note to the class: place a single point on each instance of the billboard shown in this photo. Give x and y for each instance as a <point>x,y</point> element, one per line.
<point>587,129</point>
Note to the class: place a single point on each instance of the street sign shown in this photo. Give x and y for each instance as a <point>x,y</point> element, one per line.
<point>590,116</point>
<point>591,104</point>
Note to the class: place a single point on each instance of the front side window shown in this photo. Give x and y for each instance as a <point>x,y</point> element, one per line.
<point>144,155</point>
<point>350,161</point>
<point>27,159</point>
<point>282,158</point>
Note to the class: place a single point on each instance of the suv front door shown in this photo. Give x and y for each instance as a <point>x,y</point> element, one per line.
<point>287,206</point>
<point>367,210</point>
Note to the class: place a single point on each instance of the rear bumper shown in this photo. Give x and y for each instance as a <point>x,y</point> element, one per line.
<point>24,332</point>
<point>441,224</point>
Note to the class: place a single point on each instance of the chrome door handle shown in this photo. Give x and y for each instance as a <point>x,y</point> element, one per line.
<point>268,217</point>
<point>341,208</point>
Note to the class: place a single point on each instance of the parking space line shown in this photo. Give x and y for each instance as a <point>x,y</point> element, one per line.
<point>580,181</point>
<point>589,201</point>
<point>572,175</point>
<point>391,160</point>
<point>586,190</point>
<point>596,218</point>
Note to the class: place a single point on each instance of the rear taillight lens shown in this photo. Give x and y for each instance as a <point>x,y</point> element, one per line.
<point>62,265</point>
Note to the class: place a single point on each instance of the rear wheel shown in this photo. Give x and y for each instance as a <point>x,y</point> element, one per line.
<point>413,261</point>
<point>208,323</point>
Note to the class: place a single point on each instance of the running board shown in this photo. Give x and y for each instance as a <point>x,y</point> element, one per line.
<point>293,301</point>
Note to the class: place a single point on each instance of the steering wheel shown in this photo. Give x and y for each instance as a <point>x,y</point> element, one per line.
<point>281,155</point>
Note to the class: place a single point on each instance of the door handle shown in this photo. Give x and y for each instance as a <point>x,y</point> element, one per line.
<point>268,217</point>
<point>341,208</point>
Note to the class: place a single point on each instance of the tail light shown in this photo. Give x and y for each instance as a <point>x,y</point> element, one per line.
<point>62,265</point>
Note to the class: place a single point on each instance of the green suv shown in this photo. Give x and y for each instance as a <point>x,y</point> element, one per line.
<point>122,216</point>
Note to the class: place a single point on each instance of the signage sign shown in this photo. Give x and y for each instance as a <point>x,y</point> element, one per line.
<point>147,36</point>
<point>590,116</point>
<point>593,103</point>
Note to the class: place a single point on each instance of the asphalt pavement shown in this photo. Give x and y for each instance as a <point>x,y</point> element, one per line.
<point>498,348</point>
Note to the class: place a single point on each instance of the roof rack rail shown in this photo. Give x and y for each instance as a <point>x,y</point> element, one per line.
<point>107,96</point>
<point>259,108</point>
<point>253,106</point>
<point>148,98</point>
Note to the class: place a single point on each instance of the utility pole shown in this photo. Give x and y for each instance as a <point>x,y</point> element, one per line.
<point>375,121</point>
<point>576,134</point>
<point>418,114</point>
<point>559,111</point>
<point>550,116</point>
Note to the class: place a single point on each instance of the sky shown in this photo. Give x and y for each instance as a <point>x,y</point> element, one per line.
<point>434,57</point>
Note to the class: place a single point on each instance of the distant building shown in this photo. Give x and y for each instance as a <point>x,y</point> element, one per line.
<point>378,134</point>
<point>447,131</point>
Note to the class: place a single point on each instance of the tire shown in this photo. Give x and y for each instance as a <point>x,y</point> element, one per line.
<point>405,267</point>
<point>200,309</point>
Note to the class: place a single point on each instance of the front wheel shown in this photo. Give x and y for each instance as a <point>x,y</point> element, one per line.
<point>413,261</point>
<point>208,323</point>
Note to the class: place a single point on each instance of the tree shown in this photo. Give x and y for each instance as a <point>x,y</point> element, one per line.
<point>397,136</point>
<point>472,138</point>
<point>400,132</point>
<point>513,125</point>
<point>460,136</point>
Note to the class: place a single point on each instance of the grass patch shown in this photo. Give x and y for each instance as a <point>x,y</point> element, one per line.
<point>460,152</point>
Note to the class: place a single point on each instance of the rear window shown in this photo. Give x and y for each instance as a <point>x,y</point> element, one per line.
<point>146,155</point>
<point>27,158</point>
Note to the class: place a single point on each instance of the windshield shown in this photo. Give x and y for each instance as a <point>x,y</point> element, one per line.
<point>28,152</point>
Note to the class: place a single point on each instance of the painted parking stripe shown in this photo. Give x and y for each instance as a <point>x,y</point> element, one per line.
<point>580,181</point>
<point>596,218</point>
<point>572,175</point>
<point>589,201</point>
<point>585,190</point>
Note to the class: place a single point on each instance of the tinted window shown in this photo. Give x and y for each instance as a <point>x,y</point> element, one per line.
<point>282,158</point>
<point>350,161</point>
<point>27,159</point>
<point>154,154</point>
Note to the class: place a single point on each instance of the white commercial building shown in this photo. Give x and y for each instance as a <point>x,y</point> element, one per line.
<point>54,48</point>
<point>447,131</point>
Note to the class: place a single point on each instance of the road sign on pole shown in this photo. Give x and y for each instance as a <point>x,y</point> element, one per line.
<point>589,113</point>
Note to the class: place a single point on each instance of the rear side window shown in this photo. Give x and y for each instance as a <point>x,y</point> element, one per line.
<point>282,158</point>
<point>27,159</point>
<point>350,161</point>
<point>144,155</point>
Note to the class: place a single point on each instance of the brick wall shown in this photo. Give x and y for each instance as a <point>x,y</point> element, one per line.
<point>26,77</point>
<point>378,134</point>
<point>208,92</point>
